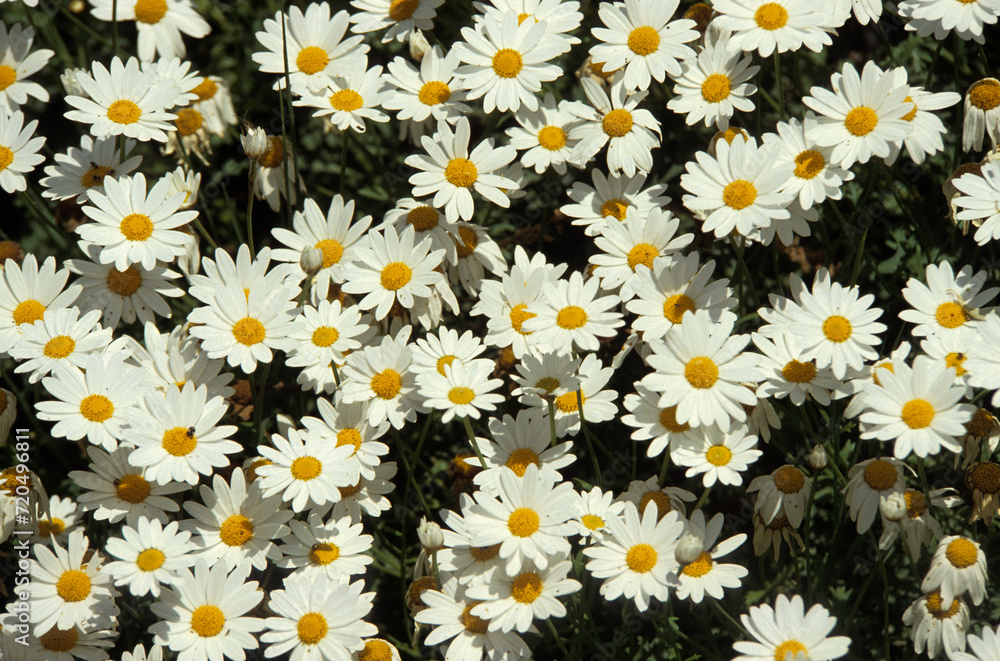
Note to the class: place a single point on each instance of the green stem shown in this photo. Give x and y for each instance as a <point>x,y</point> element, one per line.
<point>586,436</point>
<point>704,497</point>
<point>724,614</point>
<point>410,474</point>
<point>558,638</point>
<point>781,85</point>
<point>472,440</point>
<point>252,179</point>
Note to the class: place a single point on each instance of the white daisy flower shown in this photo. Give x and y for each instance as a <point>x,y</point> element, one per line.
<point>27,292</point>
<point>654,423</point>
<point>177,436</point>
<point>113,489</point>
<point>598,402</point>
<point>544,376</point>
<point>203,616</point>
<point>516,445</point>
<point>719,456</point>
<point>610,198</point>
<point>305,469</point>
<point>638,241</point>
<point>17,65</point>
<point>543,134</point>
<point>235,526</point>
<point>458,557</point>
<point>958,566</point>
<point>982,109</point>
<point>529,518</point>
<point>948,303</point>
<point>926,138</point>
<point>17,150</point>
<point>317,618</point>
<point>814,177</point>
<point>335,549</point>
<point>631,133</point>
<point>463,391</point>
<point>59,645</point>
<point>704,575</point>
<point>513,602</point>
<point>429,94</point>
<point>984,647</point>
<point>475,253</point>
<point>313,44</point>
<point>936,627</point>
<point>381,376</point>
<point>402,17</point>
<point>350,99</point>
<point>135,228</point>
<point>63,518</point>
<point>918,527</point>
<point>769,26</point>
<point>572,315</point>
<point>561,17</point>
<point>938,18</point>
<point>701,368</point>
<point>787,629</point>
<point>160,24</point>
<point>66,591</point>
<point>741,188</point>
<point>62,337</point>
<point>715,84</point>
<point>124,101</point>
<point>506,61</point>
<point>636,558</point>
<point>862,117</point>
<point>869,483</point>
<point>594,509</point>
<point>249,274</point>
<point>450,172</point>
<point>368,496</point>
<point>783,493</point>
<point>785,373</point>
<point>979,201</point>
<point>449,612</point>
<point>348,425</point>
<point>149,555</point>
<point>323,336</point>
<point>84,168</point>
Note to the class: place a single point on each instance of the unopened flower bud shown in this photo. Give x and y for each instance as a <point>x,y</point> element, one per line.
<point>689,548</point>
<point>255,142</point>
<point>893,506</point>
<point>311,260</point>
<point>431,537</point>
<point>817,458</point>
<point>70,83</point>
<point>418,45</point>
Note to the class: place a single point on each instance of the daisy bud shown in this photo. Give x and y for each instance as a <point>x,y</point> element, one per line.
<point>10,250</point>
<point>70,84</point>
<point>817,458</point>
<point>431,537</point>
<point>418,45</point>
<point>689,548</point>
<point>255,142</point>
<point>893,507</point>
<point>311,260</point>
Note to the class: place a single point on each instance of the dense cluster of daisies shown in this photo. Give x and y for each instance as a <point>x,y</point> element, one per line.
<point>363,309</point>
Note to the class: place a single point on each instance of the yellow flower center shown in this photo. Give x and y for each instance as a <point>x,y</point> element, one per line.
<point>423,218</point>
<point>150,11</point>
<point>641,558</point>
<point>950,315</point>
<point>461,172</point>
<point>311,628</point>
<point>124,111</point>
<point>518,315</point>
<point>548,384</point>
<point>662,501</point>
<point>880,475</point>
<point>916,504</point>
<point>387,383</point>
<point>349,436</point>
<point>395,275</point>
<point>28,312</point>
<point>207,621</point>
<point>789,479</point>
<point>615,207</point>
<point>808,164</point>
<point>617,123</point>
<point>124,283</point>
<point>484,553</point>
<point>913,113</point>
<point>507,63</point>
<point>739,194</point>
<point>312,59</point>
<point>526,588</point>
<point>206,89</point>
<point>400,10</point>
<point>136,227</point>
<point>861,121</point>
<point>592,521</point>
<point>275,153</point>
<point>73,585</point>
<point>552,138</point>
<point>984,477</point>
<point>237,530</point>
<point>715,88</point>
<point>520,459</point>
<point>918,413</point>
<point>837,328</point>
<point>961,553</point>
<point>7,76</point>
<point>934,606</point>
<point>701,372</point>
<point>799,372</point>
<point>644,41</point>
<point>701,566</point>
<point>59,346</point>
<point>59,640</point>
<point>885,366</point>
<point>188,121</point>
<point>981,424</point>
<point>95,176</point>
<point>179,441</point>
<point>461,395</point>
<point>132,488</point>
<point>643,253</point>
<point>324,336</point>
<point>523,522</point>
<point>150,560</point>
<point>566,403</point>
<point>571,317</point>
<point>718,455</point>
<point>306,468</point>
<point>434,93</point>
<point>771,16</point>
<point>376,650</point>
<point>96,408</point>
<point>468,240</point>
<point>249,331</point>
<point>668,420</point>
<point>332,251</point>
<point>322,553</point>
<point>473,624</point>
<point>346,100</point>
<point>6,158</point>
<point>54,527</point>
<point>675,306</point>
<point>985,94</point>
<point>792,647</point>
<point>955,359</point>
